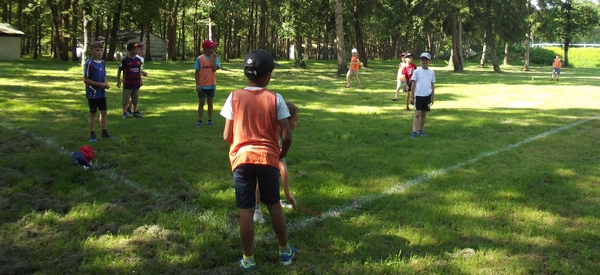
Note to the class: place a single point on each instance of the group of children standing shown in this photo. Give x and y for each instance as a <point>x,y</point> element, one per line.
<point>417,83</point>
<point>94,77</point>
<point>258,125</point>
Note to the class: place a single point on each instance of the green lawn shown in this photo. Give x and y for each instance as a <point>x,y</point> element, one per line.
<point>507,182</point>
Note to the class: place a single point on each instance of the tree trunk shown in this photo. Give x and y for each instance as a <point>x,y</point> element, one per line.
<point>494,56</point>
<point>527,43</point>
<point>457,59</point>
<point>339,35</point>
<point>505,54</point>
<point>60,23</point>
<point>172,30</point>
<point>183,33</point>
<point>74,32</point>
<point>262,28</point>
<point>113,33</point>
<point>84,29</point>
<point>566,44</point>
<point>483,51</point>
<point>196,31</point>
<point>359,34</point>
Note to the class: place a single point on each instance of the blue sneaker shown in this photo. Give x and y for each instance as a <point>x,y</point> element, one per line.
<point>246,266</point>
<point>422,134</point>
<point>210,123</point>
<point>107,135</point>
<point>286,258</point>
<point>414,135</point>
<point>198,124</point>
<point>93,138</point>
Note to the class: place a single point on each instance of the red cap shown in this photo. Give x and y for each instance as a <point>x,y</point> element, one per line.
<point>209,44</point>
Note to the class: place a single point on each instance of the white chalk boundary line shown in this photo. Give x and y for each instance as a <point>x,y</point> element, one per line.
<point>403,186</point>
<point>110,173</point>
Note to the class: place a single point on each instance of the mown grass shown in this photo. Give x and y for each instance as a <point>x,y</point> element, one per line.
<point>498,187</point>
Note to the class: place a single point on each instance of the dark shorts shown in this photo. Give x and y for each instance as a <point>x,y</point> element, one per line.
<point>210,93</point>
<point>408,86</point>
<point>97,104</point>
<point>556,70</point>
<point>245,177</point>
<point>422,103</point>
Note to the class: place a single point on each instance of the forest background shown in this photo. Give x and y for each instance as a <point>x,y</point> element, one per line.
<point>492,31</point>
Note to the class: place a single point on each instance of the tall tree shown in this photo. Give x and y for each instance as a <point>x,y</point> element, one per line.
<point>339,33</point>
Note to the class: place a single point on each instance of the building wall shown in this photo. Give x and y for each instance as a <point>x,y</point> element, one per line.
<point>11,47</point>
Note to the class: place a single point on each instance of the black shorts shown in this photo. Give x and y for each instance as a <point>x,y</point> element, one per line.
<point>245,178</point>
<point>210,93</point>
<point>97,104</point>
<point>408,86</point>
<point>422,103</point>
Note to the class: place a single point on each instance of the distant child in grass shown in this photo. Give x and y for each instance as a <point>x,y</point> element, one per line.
<point>206,82</point>
<point>131,68</point>
<point>140,54</point>
<point>399,82</point>
<point>556,65</point>
<point>354,65</point>
<point>94,77</point>
<point>406,75</point>
<point>422,94</point>
<point>258,215</point>
<point>254,117</point>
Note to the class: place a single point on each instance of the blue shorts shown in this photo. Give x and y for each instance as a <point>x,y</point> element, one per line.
<point>556,70</point>
<point>210,93</point>
<point>245,177</point>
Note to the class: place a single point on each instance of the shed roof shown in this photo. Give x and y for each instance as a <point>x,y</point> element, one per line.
<point>5,28</point>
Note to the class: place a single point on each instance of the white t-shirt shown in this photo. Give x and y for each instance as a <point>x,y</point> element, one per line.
<point>282,109</point>
<point>141,58</point>
<point>424,78</point>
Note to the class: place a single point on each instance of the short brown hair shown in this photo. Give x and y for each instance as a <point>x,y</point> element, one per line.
<point>95,44</point>
<point>293,109</point>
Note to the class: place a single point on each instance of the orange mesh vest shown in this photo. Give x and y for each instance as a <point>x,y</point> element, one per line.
<point>354,67</point>
<point>557,63</point>
<point>206,76</point>
<point>255,128</point>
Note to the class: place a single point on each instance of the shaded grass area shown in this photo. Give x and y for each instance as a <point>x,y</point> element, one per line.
<point>161,200</point>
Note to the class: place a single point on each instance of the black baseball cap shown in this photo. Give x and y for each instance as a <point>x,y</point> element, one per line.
<point>258,62</point>
<point>131,45</point>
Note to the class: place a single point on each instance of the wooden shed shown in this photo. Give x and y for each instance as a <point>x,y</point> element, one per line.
<point>158,46</point>
<point>10,39</point>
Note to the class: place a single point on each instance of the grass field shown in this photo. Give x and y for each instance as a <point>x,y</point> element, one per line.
<point>507,182</point>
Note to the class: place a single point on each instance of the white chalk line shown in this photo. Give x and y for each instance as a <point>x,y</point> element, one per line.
<point>403,186</point>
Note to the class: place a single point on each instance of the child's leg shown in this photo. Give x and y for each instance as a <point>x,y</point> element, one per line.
<point>92,122</point>
<point>278,223</point>
<point>103,119</point>
<point>201,108</point>
<point>348,77</point>
<point>247,230</point>
<point>357,80</point>
<point>407,99</point>
<point>423,118</point>
<point>135,97</point>
<point>416,120</point>
<point>125,99</point>
<point>210,107</point>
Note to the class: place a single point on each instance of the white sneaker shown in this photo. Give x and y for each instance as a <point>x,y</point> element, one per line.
<point>258,216</point>
<point>285,204</point>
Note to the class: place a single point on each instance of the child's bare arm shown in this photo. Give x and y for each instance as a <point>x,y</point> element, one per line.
<point>285,183</point>
<point>228,131</point>
<point>94,83</point>
<point>119,77</point>
<point>286,137</point>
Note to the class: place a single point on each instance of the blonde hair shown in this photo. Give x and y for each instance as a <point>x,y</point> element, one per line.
<point>95,44</point>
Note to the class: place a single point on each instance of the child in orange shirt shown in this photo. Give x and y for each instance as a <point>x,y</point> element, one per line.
<point>254,116</point>
<point>354,65</point>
